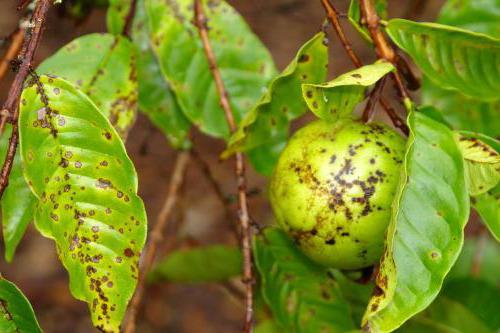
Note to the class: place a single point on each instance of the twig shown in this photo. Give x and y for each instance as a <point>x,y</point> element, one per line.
<point>11,105</point>
<point>373,99</point>
<point>155,237</point>
<point>382,47</point>
<point>333,16</point>
<point>201,23</point>
<point>129,19</point>
<point>16,42</point>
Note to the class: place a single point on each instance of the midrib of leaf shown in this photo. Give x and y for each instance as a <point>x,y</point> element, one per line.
<point>102,64</point>
<point>8,314</point>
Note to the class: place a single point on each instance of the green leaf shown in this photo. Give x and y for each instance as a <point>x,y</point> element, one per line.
<point>488,207</point>
<point>86,184</point>
<point>452,58</point>
<point>204,264</point>
<point>16,313</point>
<point>268,326</point>
<point>116,15</point>
<point>475,15</point>
<point>488,265</point>
<point>354,15</point>
<point>156,99</point>
<point>245,64</point>
<point>103,67</point>
<point>302,295</point>
<point>461,111</point>
<point>425,235</point>
<point>337,98</point>
<point>482,164</point>
<point>264,130</point>
<point>18,203</point>
<point>480,297</point>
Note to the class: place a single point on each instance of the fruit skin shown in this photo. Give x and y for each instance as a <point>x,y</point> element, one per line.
<point>333,187</point>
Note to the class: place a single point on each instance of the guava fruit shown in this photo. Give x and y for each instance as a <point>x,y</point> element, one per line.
<point>333,187</point>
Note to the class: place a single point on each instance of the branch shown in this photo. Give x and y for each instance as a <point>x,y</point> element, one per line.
<point>201,23</point>
<point>11,105</point>
<point>382,47</point>
<point>129,19</point>
<point>156,237</point>
<point>16,42</point>
<point>333,16</point>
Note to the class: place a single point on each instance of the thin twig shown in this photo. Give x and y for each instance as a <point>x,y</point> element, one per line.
<point>16,42</point>
<point>11,105</point>
<point>383,48</point>
<point>155,237</point>
<point>333,17</point>
<point>201,23</point>
<point>129,19</point>
<point>373,99</point>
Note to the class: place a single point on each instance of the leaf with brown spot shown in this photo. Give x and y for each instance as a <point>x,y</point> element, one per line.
<point>264,130</point>
<point>102,66</point>
<point>91,211</point>
<point>425,235</point>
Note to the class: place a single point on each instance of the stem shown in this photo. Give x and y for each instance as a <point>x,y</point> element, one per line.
<point>11,105</point>
<point>333,17</point>
<point>373,99</point>
<point>382,47</point>
<point>248,279</point>
<point>156,237</point>
<point>129,19</point>
<point>14,47</point>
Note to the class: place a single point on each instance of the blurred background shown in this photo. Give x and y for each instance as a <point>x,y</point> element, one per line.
<point>283,26</point>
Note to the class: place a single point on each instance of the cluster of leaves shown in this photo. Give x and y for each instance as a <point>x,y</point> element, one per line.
<point>74,179</point>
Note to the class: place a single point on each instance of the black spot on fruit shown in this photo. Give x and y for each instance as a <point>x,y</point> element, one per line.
<point>351,188</point>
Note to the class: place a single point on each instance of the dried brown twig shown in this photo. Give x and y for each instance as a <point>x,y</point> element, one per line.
<point>333,16</point>
<point>155,237</point>
<point>11,106</point>
<point>201,23</point>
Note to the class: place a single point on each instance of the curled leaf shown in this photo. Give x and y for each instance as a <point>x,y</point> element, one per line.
<point>86,185</point>
<point>336,99</point>
<point>425,234</point>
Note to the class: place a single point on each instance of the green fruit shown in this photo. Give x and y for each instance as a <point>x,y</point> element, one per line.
<point>333,187</point>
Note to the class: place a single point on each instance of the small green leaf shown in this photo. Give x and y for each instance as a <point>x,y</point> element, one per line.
<point>482,164</point>
<point>480,297</point>
<point>116,15</point>
<point>336,99</point>
<point>245,64</point>
<point>488,207</point>
<point>204,264</point>
<point>16,313</point>
<point>354,15</point>
<point>18,203</point>
<point>86,185</point>
<point>425,235</point>
<point>103,67</point>
<point>302,295</point>
<point>156,99</point>
<point>264,130</point>
<point>475,15</point>
<point>451,57</point>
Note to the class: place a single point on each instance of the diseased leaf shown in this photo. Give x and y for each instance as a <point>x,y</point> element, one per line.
<point>302,295</point>
<point>488,207</point>
<point>116,15</point>
<point>109,75</point>
<point>475,15</point>
<point>336,99</point>
<point>425,234</point>
<point>451,57</point>
<point>264,130</point>
<point>482,164</point>
<point>156,99</point>
<point>18,203</point>
<point>354,15</point>
<point>16,313</point>
<point>204,264</point>
<point>245,64</point>
<point>86,184</point>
